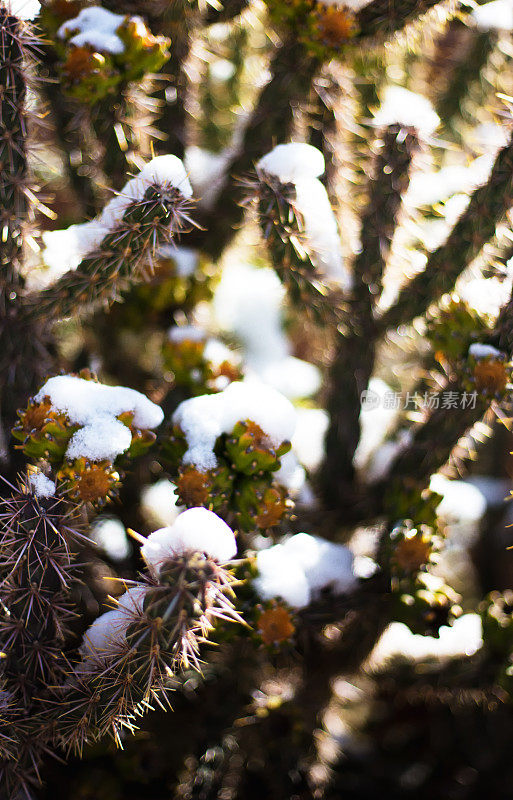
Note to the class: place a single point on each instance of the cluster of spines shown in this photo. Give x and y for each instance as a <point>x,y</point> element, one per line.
<point>354,357</point>
<point>111,690</point>
<point>241,487</point>
<point>476,226</point>
<point>38,537</point>
<point>120,258</point>
<point>283,229</point>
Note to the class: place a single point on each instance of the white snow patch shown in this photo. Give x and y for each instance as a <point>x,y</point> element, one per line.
<point>23,9</point>
<point>95,27</point>
<point>494,16</point>
<point>301,164</point>
<point>280,575</point>
<point>479,351</point>
<point>196,529</point>
<point>203,419</point>
<point>464,638</point>
<point>186,259</point>
<point>298,570</point>
<point>249,303</point>
<point>41,485</point>
<point>109,533</point>
<point>95,407</point>
<point>158,503</point>
<point>408,109</point>
<point>106,636</point>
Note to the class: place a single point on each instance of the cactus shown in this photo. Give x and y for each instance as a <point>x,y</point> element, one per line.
<point>279,449</point>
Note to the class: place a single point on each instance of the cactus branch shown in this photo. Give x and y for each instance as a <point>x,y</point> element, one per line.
<point>292,71</point>
<point>477,225</point>
<point>120,257</point>
<point>353,361</point>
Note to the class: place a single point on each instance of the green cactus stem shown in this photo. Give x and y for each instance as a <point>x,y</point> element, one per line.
<point>353,362</point>
<point>119,260</point>
<point>112,689</point>
<point>292,71</point>
<point>37,535</point>
<point>476,226</point>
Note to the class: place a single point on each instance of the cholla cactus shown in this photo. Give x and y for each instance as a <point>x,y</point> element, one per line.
<point>283,244</point>
<point>225,448</point>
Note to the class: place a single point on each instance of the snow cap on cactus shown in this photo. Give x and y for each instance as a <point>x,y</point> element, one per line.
<point>203,419</point>
<point>292,161</point>
<point>23,9</point>
<point>65,249</point>
<point>95,27</point>
<point>95,407</point>
<point>301,164</point>
<point>298,570</point>
<point>280,576</point>
<point>107,633</point>
<point>478,351</point>
<point>494,16</point>
<point>161,171</point>
<point>41,485</point>
<point>408,109</point>
<point>196,529</point>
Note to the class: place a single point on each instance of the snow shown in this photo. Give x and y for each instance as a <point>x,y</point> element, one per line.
<point>95,27</point>
<point>291,474</point>
<point>479,351</point>
<point>248,303</point>
<point>461,509</point>
<point>83,400</point>
<point>103,439</point>
<point>203,419</point>
<point>186,259</point>
<point>216,352</point>
<point>486,295</point>
<point>325,564</point>
<point>292,161</point>
<point>23,9</point>
<point>65,249</point>
<point>298,570</point>
<point>190,333</point>
<point>464,638</point>
<point>308,439</point>
<point>497,15</point>
<point>377,418</point>
<point>301,164</point>
<point>196,529</point>
<point>408,109</point>
<point>321,231</point>
<point>158,503</point>
<point>106,636</point>
<point>161,171</point>
<point>109,533</point>
<point>95,407</point>
<point>428,188</point>
<point>208,172</point>
<point>279,575</point>
<point>41,485</point>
